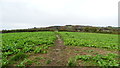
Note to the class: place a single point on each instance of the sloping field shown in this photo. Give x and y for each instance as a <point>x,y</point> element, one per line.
<point>59,49</point>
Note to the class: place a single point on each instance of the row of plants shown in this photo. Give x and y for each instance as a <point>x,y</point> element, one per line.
<point>108,41</point>
<point>110,59</point>
<point>25,42</point>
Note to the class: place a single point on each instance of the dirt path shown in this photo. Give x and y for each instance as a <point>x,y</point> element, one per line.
<point>57,53</point>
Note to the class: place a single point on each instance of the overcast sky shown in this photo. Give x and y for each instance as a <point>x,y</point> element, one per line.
<point>17,14</point>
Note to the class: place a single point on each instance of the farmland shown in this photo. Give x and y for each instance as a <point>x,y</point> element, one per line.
<point>20,43</point>
<point>108,41</point>
<point>59,49</point>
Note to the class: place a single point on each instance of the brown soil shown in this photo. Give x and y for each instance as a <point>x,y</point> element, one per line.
<point>59,54</point>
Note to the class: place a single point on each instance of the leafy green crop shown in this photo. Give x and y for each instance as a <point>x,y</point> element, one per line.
<point>37,50</point>
<point>19,56</point>
<point>72,62</point>
<point>14,43</point>
<point>100,60</point>
<point>108,41</point>
<point>24,63</point>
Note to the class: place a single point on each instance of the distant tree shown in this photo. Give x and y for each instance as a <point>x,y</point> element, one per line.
<point>86,29</point>
<point>93,29</point>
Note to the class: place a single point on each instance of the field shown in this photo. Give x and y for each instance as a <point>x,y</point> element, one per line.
<point>59,49</point>
<point>108,41</point>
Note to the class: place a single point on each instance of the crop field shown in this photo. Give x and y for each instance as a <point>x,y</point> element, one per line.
<point>59,49</point>
<point>20,43</point>
<point>108,41</point>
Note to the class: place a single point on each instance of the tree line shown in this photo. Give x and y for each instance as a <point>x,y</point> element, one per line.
<point>70,28</point>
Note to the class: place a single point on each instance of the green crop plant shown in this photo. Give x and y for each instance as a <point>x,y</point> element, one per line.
<point>72,62</point>
<point>19,56</point>
<point>25,63</point>
<point>38,42</point>
<point>5,62</point>
<point>37,50</point>
<point>43,52</point>
<point>48,61</point>
<point>89,50</point>
<point>83,57</point>
<point>14,43</point>
<point>97,40</point>
<point>100,60</point>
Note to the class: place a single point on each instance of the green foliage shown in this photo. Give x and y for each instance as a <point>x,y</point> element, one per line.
<point>27,49</point>
<point>7,53</point>
<point>83,57</point>
<point>25,63</point>
<point>5,62</point>
<point>108,41</point>
<point>37,50</point>
<point>40,49</point>
<point>72,62</point>
<point>44,52</point>
<point>37,42</point>
<point>90,29</point>
<point>19,56</point>
<point>108,60</point>
<point>48,61</point>
<point>14,43</point>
